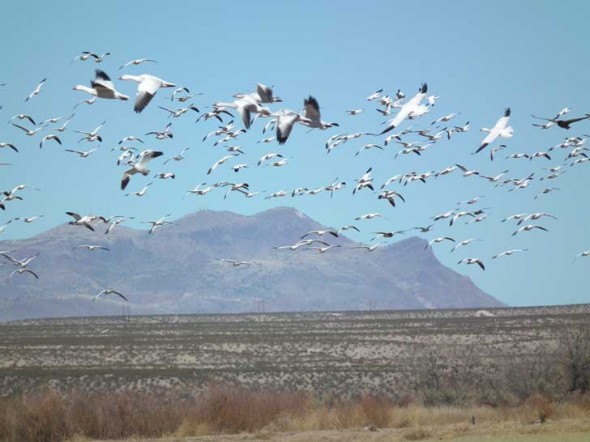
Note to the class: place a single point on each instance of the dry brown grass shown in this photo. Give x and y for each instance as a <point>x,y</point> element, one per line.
<point>230,409</point>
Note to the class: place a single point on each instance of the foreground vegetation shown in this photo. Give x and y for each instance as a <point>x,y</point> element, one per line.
<point>48,416</point>
<point>412,375</point>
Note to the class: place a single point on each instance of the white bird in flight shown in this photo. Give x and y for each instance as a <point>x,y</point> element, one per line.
<point>146,89</point>
<point>37,90</point>
<point>509,253</point>
<point>137,61</point>
<point>91,247</point>
<point>110,292</point>
<point>501,129</point>
<point>409,109</point>
<point>140,166</point>
<point>102,87</point>
<point>472,261</point>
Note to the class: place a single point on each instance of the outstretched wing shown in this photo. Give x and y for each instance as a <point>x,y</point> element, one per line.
<point>145,92</point>
<point>312,109</point>
<point>102,81</point>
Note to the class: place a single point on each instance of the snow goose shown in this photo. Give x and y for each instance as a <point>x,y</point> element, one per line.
<point>29,132</point>
<point>181,98</point>
<point>365,181</point>
<point>412,108</point>
<point>245,106</point>
<point>369,248</point>
<point>91,136</point>
<point>390,196</point>
<point>85,55</point>
<point>91,247</point>
<point>545,191</point>
<point>166,133</point>
<point>347,227</point>
<point>141,192</point>
<point>23,270</point>
<point>115,223</point>
<point>501,129</point>
<point>201,191</point>
<point>312,116</point>
<point>324,249</point>
<point>20,262</point>
<point>29,219</point>
<point>285,120</point>
<point>581,254</point>
<point>37,89</point>
<point>301,243</point>
<point>110,292</point>
<point>137,61</point>
<point>375,95</point>
<point>508,253</point>
<point>239,167</point>
<point>369,216</point>
<point>268,156</point>
<point>368,146</point>
<point>463,243</point>
<point>165,175</point>
<point>130,138</point>
<point>219,163</point>
<point>528,228</point>
<point>89,102</point>
<point>564,124</point>
<point>320,233</point>
<point>277,194</point>
<point>48,138</point>
<point>175,113</point>
<point>387,234</point>
<point>439,239</point>
<point>235,262</point>
<point>23,117</point>
<point>12,146</point>
<point>146,89</point>
<point>83,220</point>
<point>102,87</point>
<point>472,261</point>
<point>140,166</point>
<point>178,157</point>
<point>83,154</point>
<point>158,223</point>
<point>535,217</point>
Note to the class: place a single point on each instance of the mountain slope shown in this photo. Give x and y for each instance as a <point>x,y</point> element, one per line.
<point>177,270</point>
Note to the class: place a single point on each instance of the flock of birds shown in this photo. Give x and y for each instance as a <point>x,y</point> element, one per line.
<point>256,105</point>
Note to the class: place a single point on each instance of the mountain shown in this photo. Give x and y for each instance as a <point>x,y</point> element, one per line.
<point>177,270</point>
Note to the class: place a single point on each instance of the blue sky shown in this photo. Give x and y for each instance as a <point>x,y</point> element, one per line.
<point>479,57</point>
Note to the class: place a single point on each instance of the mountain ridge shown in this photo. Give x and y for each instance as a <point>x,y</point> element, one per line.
<point>177,269</point>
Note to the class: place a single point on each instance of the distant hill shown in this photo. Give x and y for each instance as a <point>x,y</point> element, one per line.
<point>177,270</point>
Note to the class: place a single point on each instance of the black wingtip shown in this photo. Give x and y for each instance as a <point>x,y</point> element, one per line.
<point>311,100</point>
<point>507,112</point>
<point>102,74</point>
<point>482,147</point>
<point>424,88</point>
